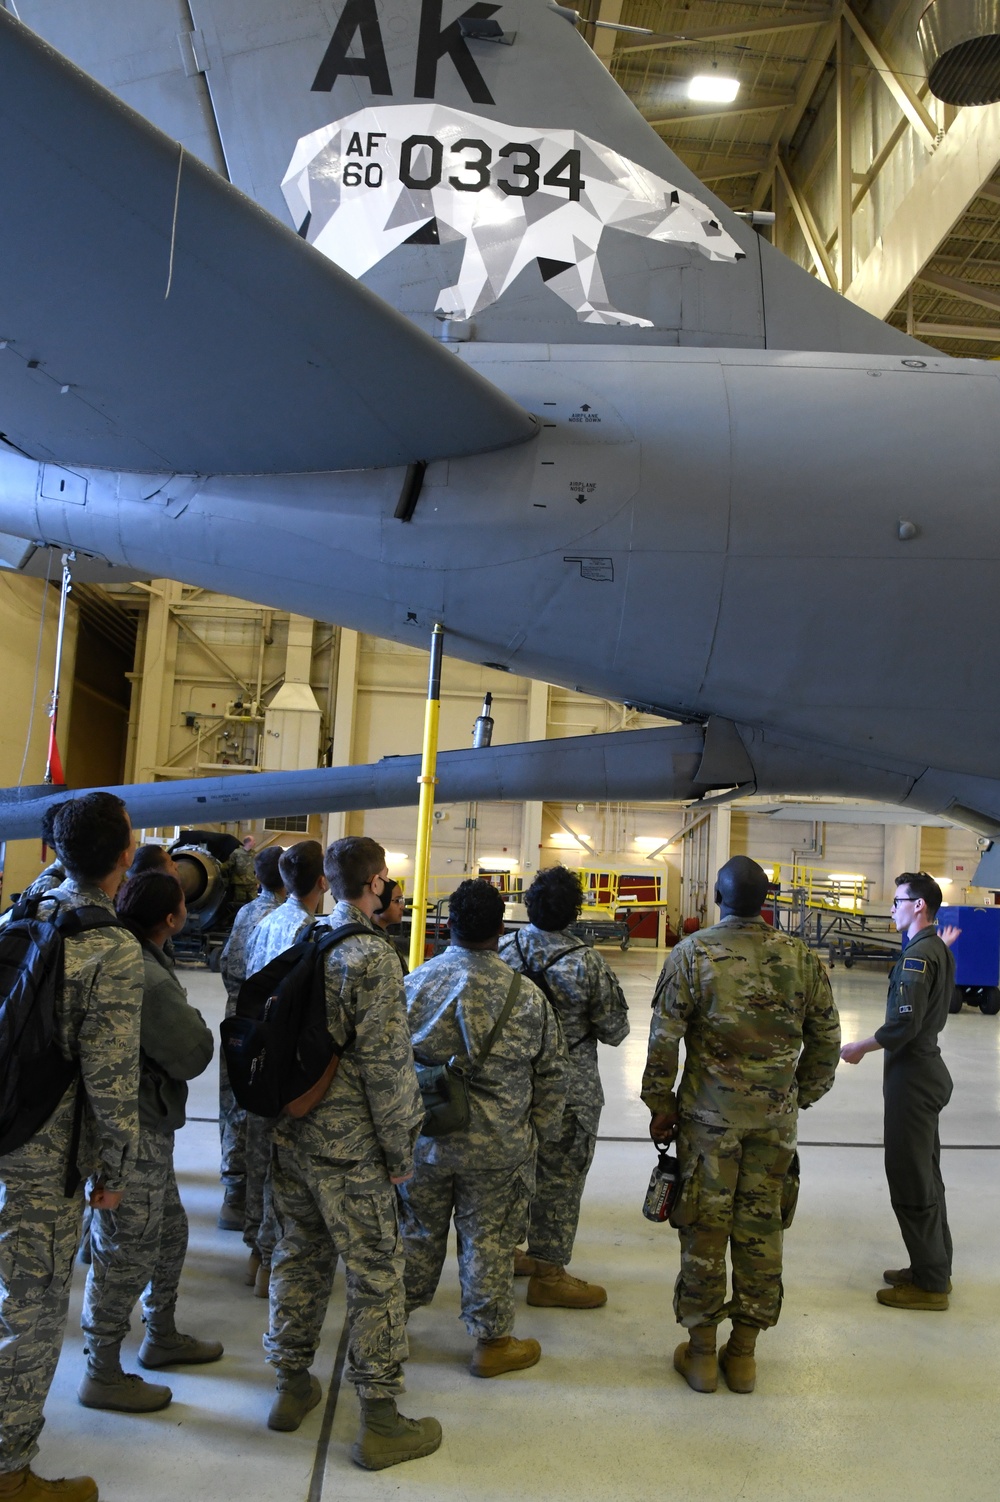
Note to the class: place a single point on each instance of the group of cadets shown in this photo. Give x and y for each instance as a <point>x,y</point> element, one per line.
<point>368,1178</point>
<point>352,1180</point>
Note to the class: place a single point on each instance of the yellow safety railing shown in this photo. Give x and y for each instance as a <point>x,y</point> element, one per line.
<point>820,889</point>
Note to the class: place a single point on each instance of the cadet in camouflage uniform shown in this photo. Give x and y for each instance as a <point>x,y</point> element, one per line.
<point>141,1245</point>
<point>757,1016</point>
<point>98,1020</point>
<point>591,1008</point>
<point>54,874</point>
<point>483,1174</point>
<point>300,869</point>
<point>232,1120</point>
<point>332,1177</point>
<point>916,1088</point>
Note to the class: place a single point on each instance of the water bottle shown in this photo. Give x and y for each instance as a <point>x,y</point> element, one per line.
<point>662,1191</point>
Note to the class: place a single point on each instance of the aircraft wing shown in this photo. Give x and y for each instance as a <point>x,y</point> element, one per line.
<point>152,317</point>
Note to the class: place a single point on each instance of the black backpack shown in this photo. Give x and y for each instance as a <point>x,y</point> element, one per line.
<point>34,1074</point>
<point>280,1054</point>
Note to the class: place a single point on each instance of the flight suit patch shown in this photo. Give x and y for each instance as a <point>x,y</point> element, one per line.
<point>915,965</point>
<point>904,1009</point>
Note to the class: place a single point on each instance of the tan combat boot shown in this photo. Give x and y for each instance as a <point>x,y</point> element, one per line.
<point>524,1265</point>
<point>105,1385</point>
<point>297,1394</point>
<point>552,1287</point>
<point>897,1276</point>
<point>736,1359</point>
<point>505,1353</point>
<point>253,1267</point>
<point>164,1345</point>
<point>387,1438</point>
<point>262,1282</point>
<point>912,1296</point>
<point>25,1486</point>
<point>696,1359</point>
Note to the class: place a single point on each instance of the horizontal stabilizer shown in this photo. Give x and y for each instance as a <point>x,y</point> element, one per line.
<point>152,317</point>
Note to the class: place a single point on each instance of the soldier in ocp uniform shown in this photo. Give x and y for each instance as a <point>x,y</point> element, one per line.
<point>483,1175</point>
<point>333,1173</point>
<point>916,1088</point>
<point>232,1120</point>
<point>591,1008</point>
<point>757,1016</point>
<point>98,1024</point>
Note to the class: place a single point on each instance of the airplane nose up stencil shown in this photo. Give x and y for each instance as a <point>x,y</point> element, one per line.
<point>425,174</point>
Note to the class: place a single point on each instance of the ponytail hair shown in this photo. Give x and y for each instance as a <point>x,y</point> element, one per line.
<point>147,900</point>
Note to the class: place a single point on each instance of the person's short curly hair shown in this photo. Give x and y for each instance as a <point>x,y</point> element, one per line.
<point>49,822</point>
<point>475,911</point>
<point>554,898</point>
<point>91,834</point>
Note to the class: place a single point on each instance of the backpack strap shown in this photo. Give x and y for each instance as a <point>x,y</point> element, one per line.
<point>500,1023</point>
<point>324,941</point>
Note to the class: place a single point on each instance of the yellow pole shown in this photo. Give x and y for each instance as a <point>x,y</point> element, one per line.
<point>425,812</point>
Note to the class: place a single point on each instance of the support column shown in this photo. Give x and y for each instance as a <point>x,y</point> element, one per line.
<point>901,852</point>
<point>344,714</point>
<point>845,196</point>
<point>156,693</point>
<point>292,719</point>
<point>531,823</point>
<point>719,850</point>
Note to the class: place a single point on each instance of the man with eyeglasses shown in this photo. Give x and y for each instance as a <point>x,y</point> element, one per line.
<point>916,1088</point>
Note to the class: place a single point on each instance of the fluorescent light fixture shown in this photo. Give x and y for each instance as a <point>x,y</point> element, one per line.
<point>713,88</point>
<point>843,876</point>
<point>650,841</point>
<point>497,863</point>
<point>395,858</point>
<point>564,842</point>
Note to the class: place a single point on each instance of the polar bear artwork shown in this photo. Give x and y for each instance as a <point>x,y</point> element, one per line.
<point>426,174</point>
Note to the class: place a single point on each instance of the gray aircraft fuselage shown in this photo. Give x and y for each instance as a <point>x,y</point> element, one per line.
<point>706,532</point>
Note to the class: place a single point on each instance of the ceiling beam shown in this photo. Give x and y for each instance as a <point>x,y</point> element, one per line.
<point>984,297</point>
<point>990,191</point>
<point>714,166</point>
<point>914,109</point>
<point>789,21</point>
<point>956,331</point>
<point>687,116</point>
<point>807,224</point>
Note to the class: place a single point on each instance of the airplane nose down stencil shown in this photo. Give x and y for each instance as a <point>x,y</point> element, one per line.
<point>427,174</point>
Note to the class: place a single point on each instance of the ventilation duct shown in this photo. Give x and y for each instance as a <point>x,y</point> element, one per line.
<point>960,42</point>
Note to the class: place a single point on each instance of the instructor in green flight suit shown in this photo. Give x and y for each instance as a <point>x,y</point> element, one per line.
<point>916,1088</point>
<point>757,1016</point>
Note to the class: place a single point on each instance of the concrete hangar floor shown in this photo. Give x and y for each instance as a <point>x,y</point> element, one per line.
<point>853,1401</point>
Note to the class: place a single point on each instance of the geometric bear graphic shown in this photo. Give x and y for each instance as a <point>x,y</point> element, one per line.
<point>425,174</point>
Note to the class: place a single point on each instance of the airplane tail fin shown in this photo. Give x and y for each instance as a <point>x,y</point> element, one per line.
<point>478,168</point>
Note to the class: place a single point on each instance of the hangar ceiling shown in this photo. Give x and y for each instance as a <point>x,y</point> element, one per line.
<point>878,188</point>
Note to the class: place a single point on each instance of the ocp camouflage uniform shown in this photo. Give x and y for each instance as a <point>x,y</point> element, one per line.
<point>141,1245</point>
<point>278,930</point>
<point>331,1175</point>
<point>591,1009</point>
<point>98,1021</point>
<point>483,1174</point>
<point>233,969</point>
<point>757,1015</point>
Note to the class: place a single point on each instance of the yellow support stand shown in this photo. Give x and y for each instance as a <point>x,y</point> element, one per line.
<point>425,812</point>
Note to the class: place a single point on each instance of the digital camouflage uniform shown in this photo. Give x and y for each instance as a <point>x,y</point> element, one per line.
<point>278,930</point>
<point>484,1174</point>
<point>233,969</point>
<point>141,1245</point>
<point>916,1088</point>
<point>760,1027</point>
<point>331,1175</point>
<point>46,881</point>
<point>39,1226</point>
<point>592,1010</point>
